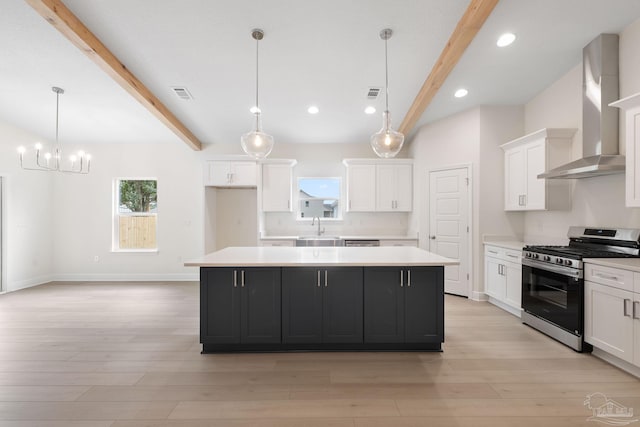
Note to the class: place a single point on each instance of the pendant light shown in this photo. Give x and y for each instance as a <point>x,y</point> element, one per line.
<point>256,143</point>
<point>79,163</point>
<point>386,143</point>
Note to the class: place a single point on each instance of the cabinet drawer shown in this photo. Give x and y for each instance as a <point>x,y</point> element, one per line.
<point>277,242</point>
<point>503,254</point>
<point>621,279</point>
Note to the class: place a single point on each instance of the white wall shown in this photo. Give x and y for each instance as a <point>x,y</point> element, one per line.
<point>597,201</point>
<point>28,215</point>
<point>471,137</point>
<point>325,160</point>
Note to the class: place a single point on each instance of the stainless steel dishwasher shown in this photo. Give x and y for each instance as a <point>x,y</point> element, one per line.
<point>356,242</point>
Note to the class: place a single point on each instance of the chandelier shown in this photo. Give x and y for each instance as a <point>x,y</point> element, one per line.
<point>52,161</point>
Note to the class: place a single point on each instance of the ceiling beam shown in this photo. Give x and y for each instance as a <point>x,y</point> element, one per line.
<point>58,15</point>
<point>474,17</point>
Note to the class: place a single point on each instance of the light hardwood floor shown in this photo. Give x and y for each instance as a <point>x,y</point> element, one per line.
<point>127,355</point>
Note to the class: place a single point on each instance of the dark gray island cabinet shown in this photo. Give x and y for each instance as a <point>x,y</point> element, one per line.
<point>286,299</point>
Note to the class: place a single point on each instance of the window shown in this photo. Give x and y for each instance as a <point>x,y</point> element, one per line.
<point>319,197</point>
<point>135,219</point>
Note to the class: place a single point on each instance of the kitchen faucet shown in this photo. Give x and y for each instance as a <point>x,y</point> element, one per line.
<point>313,221</point>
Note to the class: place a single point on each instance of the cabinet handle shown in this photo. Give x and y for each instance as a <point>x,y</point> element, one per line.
<point>401,278</point>
<point>349,204</point>
<point>633,310</point>
<point>512,256</point>
<point>325,279</point>
<point>624,307</point>
<point>318,278</point>
<point>288,204</point>
<point>524,198</point>
<point>409,278</point>
<point>235,278</point>
<point>606,276</point>
<point>493,252</point>
<point>242,278</point>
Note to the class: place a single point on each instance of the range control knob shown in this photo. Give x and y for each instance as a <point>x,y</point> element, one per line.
<point>558,260</point>
<point>568,262</point>
<point>527,255</point>
<point>536,256</point>
<point>547,258</point>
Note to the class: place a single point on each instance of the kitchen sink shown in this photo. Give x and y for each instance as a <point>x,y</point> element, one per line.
<point>320,241</point>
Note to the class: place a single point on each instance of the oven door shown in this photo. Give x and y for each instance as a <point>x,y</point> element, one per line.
<point>554,294</point>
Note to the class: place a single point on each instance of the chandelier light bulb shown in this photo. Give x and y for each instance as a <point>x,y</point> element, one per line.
<point>81,154</point>
<point>21,150</point>
<point>47,156</point>
<point>38,146</point>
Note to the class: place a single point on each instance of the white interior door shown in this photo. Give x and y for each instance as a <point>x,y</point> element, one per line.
<point>2,286</point>
<point>449,224</point>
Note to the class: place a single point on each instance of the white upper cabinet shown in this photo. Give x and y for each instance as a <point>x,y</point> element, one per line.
<point>223,173</point>
<point>631,107</point>
<point>361,188</point>
<point>276,186</point>
<point>527,157</point>
<point>394,188</point>
<point>375,185</point>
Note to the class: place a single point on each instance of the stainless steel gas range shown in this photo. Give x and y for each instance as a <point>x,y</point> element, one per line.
<point>553,280</point>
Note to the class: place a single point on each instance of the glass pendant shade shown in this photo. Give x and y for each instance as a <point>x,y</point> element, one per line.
<point>256,143</point>
<point>386,143</point>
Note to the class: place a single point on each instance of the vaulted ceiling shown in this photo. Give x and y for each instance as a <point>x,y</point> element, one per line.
<point>324,53</point>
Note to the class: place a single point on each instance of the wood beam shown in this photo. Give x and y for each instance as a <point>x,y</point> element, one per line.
<point>474,17</point>
<point>58,15</point>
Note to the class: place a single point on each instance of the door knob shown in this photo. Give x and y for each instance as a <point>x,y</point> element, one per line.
<point>432,237</point>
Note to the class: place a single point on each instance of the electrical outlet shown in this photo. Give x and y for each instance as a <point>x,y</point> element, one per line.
<point>96,258</point>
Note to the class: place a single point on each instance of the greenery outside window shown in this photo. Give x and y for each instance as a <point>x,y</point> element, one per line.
<point>135,215</point>
<point>319,197</point>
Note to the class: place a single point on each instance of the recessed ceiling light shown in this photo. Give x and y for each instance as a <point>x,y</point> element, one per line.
<point>313,110</point>
<point>254,110</point>
<point>506,39</point>
<point>370,110</point>
<point>460,93</point>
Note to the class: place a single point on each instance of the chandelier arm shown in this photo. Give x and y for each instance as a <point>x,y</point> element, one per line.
<point>257,74</point>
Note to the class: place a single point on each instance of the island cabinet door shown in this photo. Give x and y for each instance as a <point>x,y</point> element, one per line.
<point>301,305</point>
<point>383,305</point>
<point>260,305</point>
<point>341,304</point>
<point>424,305</point>
<point>219,306</point>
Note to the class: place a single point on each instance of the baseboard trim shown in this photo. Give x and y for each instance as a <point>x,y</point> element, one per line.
<point>617,362</point>
<point>128,277</point>
<point>28,283</point>
<point>479,296</point>
<point>506,307</point>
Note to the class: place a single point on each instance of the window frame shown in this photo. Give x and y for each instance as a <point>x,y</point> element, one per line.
<point>340,199</point>
<point>116,215</point>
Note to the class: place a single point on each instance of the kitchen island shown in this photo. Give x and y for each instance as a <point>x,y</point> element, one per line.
<point>321,298</point>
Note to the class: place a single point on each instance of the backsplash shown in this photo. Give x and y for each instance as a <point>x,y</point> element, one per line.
<point>352,224</point>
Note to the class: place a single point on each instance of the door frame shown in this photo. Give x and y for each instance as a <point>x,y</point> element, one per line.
<point>3,233</point>
<point>469,167</point>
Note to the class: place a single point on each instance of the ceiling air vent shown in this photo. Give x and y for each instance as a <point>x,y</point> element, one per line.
<point>373,93</point>
<point>182,93</point>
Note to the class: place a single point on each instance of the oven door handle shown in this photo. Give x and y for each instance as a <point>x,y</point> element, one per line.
<point>565,271</point>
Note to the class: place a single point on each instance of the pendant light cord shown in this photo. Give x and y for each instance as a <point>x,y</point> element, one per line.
<point>257,74</point>
<point>57,110</point>
<point>386,76</point>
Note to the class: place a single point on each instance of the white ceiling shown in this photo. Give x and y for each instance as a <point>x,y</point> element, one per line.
<point>326,53</point>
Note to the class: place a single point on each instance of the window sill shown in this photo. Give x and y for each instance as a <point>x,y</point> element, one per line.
<point>135,251</point>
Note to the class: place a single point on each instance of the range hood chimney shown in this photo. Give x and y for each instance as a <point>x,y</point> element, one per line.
<point>599,120</point>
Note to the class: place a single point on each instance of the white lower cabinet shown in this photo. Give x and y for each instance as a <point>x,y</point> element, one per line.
<point>277,242</point>
<point>503,278</point>
<point>612,311</point>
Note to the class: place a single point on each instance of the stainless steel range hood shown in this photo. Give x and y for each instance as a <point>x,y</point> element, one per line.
<point>599,120</point>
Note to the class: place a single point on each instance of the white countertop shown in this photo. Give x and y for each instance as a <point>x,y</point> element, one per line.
<point>325,256</point>
<point>507,244</point>
<point>632,264</point>
<point>372,237</point>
